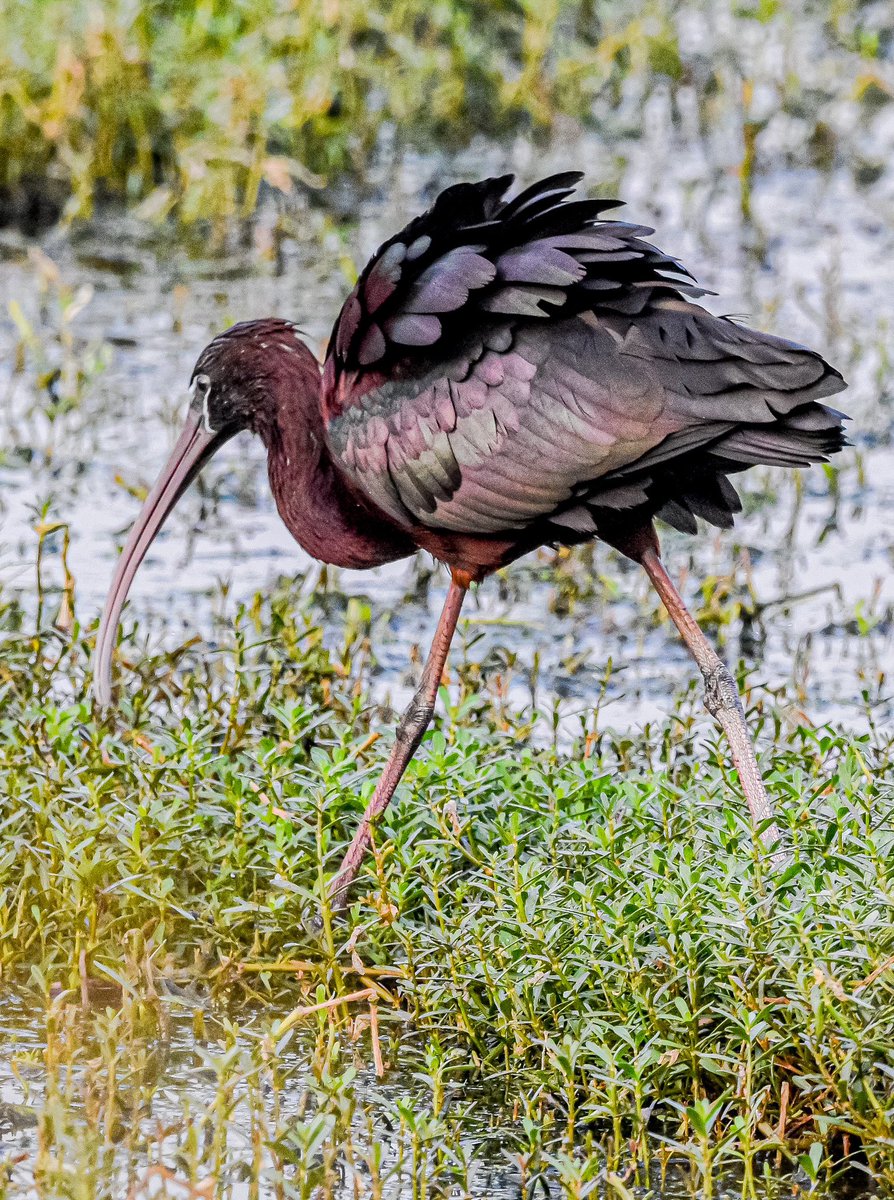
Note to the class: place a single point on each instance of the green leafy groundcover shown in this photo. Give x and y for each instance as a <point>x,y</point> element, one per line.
<point>608,937</point>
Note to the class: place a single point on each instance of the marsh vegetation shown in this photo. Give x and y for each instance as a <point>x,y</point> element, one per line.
<point>571,972</point>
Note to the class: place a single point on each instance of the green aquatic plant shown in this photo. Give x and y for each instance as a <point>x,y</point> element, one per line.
<point>550,926</point>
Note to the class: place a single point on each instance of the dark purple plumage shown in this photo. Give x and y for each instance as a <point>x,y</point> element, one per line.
<point>531,372</point>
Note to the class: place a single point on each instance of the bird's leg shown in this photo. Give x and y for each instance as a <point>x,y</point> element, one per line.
<point>721,694</point>
<point>412,726</point>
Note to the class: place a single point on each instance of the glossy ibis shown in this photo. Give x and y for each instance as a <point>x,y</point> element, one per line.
<point>506,374</point>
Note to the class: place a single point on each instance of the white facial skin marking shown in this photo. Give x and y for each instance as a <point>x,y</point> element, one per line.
<point>205,382</point>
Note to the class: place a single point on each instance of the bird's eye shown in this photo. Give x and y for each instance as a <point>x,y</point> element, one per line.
<point>201,385</point>
<point>201,390</point>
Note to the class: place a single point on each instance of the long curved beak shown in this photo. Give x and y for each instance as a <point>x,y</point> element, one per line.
<point>193,449</point>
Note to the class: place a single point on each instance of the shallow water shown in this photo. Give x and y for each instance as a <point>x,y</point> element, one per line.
<point>169,1091</point>
<point>814,556</point>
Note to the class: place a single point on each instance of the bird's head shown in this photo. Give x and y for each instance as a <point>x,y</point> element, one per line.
<point>240,376</point>
<point>241,381</point>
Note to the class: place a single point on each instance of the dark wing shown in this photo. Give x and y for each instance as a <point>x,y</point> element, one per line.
<point>551,367</point>
<point>473,259</point>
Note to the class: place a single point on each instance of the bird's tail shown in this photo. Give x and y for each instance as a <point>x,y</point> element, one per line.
<point>807,434</point>
<point>701,488</point>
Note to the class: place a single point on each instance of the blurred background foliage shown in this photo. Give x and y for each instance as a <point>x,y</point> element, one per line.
<point>191,108</point>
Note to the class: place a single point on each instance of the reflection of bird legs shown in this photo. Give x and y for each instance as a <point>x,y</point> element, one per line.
<point>412,727</point>
<point>721,694</point>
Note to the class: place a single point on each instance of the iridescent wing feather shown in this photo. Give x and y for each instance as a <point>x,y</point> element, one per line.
<point>503,364</point>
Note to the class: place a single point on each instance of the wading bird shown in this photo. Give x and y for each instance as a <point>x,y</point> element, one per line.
<point>505,374</point>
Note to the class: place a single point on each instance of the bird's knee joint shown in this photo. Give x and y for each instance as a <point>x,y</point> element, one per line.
<point>417,718</point>
<point>721,693</point>
<point>422,713</point>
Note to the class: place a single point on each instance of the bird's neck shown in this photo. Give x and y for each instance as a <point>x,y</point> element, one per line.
<point>319,506</point>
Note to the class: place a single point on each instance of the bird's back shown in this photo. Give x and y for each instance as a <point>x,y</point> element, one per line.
<point>529,369</point>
